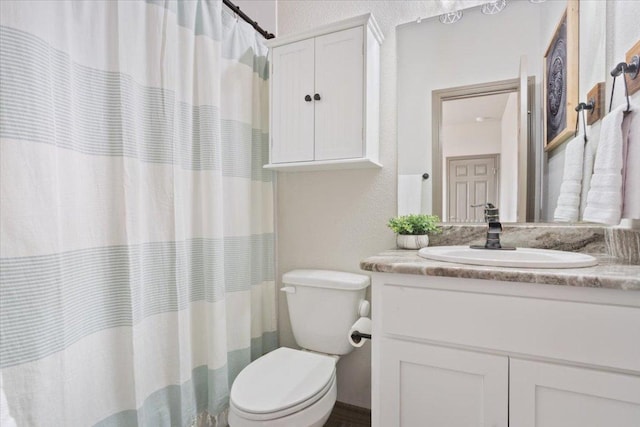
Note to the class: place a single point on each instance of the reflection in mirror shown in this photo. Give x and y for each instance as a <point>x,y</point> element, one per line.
<point>479,136</point>
<point>480,50</point>
<point>474,122</point>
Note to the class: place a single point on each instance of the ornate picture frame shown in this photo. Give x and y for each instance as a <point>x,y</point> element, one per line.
<point>560,85</point>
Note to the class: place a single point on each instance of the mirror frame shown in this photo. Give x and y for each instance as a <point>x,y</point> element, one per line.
<point>470,91</point>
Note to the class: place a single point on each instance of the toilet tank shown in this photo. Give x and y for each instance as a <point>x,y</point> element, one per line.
<point>323,305</point>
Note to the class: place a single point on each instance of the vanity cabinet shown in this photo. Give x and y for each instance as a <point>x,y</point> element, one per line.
<point>464,352</point>
<point>325,97</point>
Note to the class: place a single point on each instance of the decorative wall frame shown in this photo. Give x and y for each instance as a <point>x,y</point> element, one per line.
<point>560,85</point>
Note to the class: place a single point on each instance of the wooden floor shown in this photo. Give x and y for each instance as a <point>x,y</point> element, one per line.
<point>344,415</point>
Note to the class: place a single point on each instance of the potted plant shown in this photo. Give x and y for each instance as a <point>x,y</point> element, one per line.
<point>413,230</point>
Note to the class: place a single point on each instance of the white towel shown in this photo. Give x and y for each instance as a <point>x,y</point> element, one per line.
<point>568,206</point>
<point>631,171</point>
<point>6,420</point>
<point>604,201</point>
<point>409,194</point>
<point>587,167</point>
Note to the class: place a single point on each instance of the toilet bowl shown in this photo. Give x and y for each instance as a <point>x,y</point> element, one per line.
<point>297,388</point>
<point>284,388</point>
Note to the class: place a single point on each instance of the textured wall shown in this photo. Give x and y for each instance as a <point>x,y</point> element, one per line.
<point>622,32</point>
<point>262,11</point>
<point>333,219</point>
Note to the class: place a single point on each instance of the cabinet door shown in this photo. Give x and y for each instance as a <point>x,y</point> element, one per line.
<point>291,115</point>
<point>340,85</point>
<point>423,385</point>
<point>550,395</point>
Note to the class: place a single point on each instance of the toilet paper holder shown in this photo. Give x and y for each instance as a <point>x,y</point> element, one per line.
<point>358,336</point>
<point>358,331</point>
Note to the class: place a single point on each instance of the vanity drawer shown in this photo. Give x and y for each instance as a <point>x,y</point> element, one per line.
<point>592,333</point>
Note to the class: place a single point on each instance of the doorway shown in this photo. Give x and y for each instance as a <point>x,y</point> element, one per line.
<point>472,183</point>
<point>482,119</point>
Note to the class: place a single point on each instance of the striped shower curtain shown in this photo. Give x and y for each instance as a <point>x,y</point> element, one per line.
<point>136,239</point>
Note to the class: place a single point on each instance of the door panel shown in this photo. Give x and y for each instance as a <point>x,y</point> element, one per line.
<point>425,385</point>
<point>339,83</point>
<point>292,116</point>
<point>523,140</point>
<point>472,181</point>
<point>551,395</point>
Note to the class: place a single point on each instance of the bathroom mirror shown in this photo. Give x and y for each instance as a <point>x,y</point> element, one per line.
<point>469,109</point>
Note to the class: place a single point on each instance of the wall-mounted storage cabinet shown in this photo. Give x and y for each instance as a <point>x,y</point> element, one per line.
<point>325,84</point>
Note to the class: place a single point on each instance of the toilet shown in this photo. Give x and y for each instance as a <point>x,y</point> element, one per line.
<point>288,387</point>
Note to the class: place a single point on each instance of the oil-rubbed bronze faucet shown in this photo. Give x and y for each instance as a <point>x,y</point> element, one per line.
<point>491,213</point>
<point>492,217</point>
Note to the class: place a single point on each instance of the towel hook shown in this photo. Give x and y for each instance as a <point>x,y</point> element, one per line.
<point>632,68</point>
<point>591,105</point>
<point>626,93</point>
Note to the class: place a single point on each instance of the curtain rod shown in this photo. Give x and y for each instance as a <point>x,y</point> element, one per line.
<point>245,17</point>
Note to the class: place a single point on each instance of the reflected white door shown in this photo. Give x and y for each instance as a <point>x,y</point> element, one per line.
<point>471,181</point>
<point>523,140</point>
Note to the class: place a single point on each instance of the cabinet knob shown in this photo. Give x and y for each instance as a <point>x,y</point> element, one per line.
<point>316,97</point>
<point>307,98</point>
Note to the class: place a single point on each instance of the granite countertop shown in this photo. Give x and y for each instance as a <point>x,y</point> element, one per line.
<point>611,273</point>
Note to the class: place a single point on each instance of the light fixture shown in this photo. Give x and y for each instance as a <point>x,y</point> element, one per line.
<point>537,1</point>
<point>481,119</point>
<point>451,17</point>
<point>493,7</point>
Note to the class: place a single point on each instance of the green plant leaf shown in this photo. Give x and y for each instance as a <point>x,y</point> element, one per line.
<point>415,224</point>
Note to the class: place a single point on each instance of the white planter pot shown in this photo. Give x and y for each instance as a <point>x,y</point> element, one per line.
<point>411,241</point>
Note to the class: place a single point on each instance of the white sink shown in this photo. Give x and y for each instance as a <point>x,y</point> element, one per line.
<point>521,257</point>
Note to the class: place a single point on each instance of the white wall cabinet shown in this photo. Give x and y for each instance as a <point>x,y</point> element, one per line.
<point>463,352</point>
<point>325,97</point>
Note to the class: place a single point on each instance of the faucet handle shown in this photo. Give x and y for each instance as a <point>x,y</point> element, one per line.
<point>491,213</point>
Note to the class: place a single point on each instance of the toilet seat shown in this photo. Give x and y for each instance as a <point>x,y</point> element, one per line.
<point>288,411</point>
<point>315,415</point>
<point>281,383</point>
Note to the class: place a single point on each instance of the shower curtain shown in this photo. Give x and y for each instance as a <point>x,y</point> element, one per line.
<point>136,223</point>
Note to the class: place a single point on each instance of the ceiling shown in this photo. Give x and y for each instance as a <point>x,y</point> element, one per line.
<point>459,111</point>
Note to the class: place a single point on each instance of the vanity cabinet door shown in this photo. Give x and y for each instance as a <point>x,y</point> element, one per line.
<point>423,385</point>
<point>552,395</point>
<point>292,102</point>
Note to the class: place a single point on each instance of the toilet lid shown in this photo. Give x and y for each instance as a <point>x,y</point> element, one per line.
<point>281,379</point>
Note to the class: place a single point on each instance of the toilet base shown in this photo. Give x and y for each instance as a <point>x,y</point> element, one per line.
<point>314,415</point>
